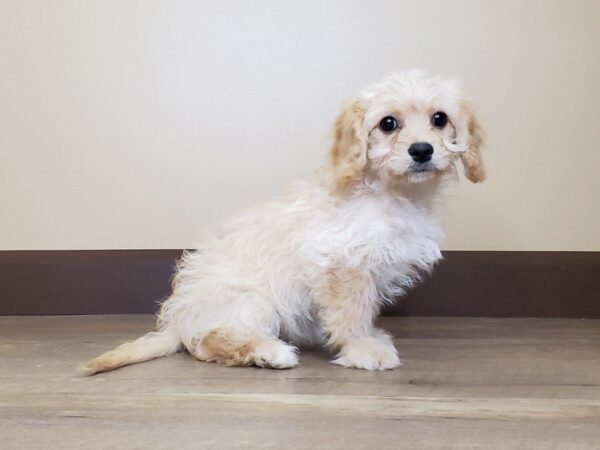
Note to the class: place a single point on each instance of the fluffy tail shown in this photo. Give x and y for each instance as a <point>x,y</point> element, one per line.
<point>150,346</point>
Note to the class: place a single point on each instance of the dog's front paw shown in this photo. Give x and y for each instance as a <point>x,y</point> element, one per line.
<point>276,355</point>
<point>368,353</point>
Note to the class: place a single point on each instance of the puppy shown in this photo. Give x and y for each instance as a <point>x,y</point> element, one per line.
<point>315,265</point>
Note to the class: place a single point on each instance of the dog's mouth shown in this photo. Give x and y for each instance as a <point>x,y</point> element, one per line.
<point>419,172</point>
<point>427,167</point>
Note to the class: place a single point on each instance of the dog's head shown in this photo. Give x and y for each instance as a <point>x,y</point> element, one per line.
<point>410,128</point>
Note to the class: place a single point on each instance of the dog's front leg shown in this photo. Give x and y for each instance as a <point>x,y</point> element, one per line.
<point>347,310</point>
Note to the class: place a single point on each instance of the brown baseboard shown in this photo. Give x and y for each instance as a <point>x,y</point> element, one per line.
<point>84,281</point>
<point>486,283</point>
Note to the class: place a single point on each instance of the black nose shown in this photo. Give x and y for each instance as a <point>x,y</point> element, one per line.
<point>420,151</point>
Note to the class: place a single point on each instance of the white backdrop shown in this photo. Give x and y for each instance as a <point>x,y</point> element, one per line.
<point>137,124</point>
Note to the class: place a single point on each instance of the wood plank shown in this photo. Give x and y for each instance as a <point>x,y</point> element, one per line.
<point>465,383</point>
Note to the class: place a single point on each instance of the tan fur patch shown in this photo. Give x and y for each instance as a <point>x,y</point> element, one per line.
<point>220,347</point>
<point>472,160</point>
<point>348,154</point>
<point>110,360</point>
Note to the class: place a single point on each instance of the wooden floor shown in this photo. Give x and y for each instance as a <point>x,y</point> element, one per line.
<point>465,384</point>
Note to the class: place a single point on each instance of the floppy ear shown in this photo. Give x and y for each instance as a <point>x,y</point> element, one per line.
<point>349,151</point>
<point>469,132</point>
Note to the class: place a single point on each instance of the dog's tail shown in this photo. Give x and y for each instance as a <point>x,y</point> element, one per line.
<point>150,346</point>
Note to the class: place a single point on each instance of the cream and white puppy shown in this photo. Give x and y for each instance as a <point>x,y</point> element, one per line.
<point>315,265</point>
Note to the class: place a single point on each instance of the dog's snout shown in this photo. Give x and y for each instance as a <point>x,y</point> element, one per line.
<point>421,151</point>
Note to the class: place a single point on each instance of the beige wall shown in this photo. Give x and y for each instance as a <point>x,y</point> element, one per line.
<point>137,124</point>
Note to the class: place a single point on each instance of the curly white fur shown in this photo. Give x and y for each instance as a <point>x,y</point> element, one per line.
<point>315,264</point>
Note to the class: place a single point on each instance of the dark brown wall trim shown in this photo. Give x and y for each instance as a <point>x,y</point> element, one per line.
<point>84,281</point>
<point>491,284</point>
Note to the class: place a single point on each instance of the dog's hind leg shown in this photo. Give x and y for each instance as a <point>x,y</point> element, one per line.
<point>231,348</point>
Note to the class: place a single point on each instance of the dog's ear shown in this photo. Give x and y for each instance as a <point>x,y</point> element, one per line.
<point>349,151</point>
<point>469,132</point>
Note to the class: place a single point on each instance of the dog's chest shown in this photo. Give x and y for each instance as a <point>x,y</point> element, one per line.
<point>408,251</point>
<point>402,232</point>
<point>408,242</point>
<point>390,236</point>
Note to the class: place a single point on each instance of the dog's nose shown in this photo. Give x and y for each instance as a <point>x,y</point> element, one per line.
<point>421,151</point>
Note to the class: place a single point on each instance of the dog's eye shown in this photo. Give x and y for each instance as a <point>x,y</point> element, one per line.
<point>388,124</point>
<point>439,119</point>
